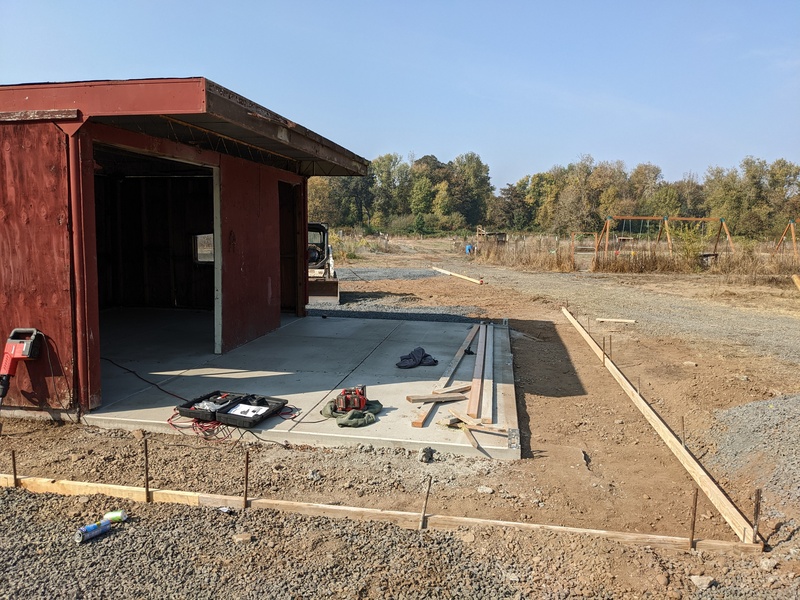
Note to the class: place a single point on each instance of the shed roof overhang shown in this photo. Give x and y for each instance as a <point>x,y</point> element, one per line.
<point>193,111</point>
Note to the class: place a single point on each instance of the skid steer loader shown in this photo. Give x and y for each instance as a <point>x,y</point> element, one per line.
<point>323,285</point>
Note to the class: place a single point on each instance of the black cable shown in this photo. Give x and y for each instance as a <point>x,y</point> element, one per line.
<point>143,379</point>
<point>47,338</point>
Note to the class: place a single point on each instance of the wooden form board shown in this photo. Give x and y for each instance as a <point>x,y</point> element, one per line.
<point>404,519</point>
<point>738,522</point>
<point>444,380</point>
<point>487,395</point>
<point>476,391</point>
<point>436,398</point>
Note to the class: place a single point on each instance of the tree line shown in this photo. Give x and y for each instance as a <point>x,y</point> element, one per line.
<point>757,199</point>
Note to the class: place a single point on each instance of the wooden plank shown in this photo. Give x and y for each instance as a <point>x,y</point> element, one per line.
<point>39,115</point>
<point>477,376</point>
<point>662,541</point>
<point>473,280</point>
<point>453,389</point>
<point>796,279</point>
<point>436,398</point>
<point>462,417</point>
<point>470,438</point>
<point>603,320</point>
<point>738,522</point>
<point>401,518</point>
<point>505,392</point>
<point>486,429</point>
<point>444,380</point>
<point>41,485</point>
<point>487,394</point>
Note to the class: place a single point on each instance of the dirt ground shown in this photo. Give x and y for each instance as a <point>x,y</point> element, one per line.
<point>589,457</point>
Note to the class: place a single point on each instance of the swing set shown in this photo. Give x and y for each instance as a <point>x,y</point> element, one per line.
<point>790,228</point>
<point>663,229</point>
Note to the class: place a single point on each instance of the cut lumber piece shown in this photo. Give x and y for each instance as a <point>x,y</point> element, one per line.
<point>505,394</point>
<point>436,398</point>
<point>423,414</point>
<point>470,438</point>
<point>485,429</point>
<point>487,394</point>
<point>476,390</point>
<point>404,519</point>
<point>473,280</point>
<point>796,279</point>
<point>602,320</point>
<point>738,522</point>
<point>462,417</point>
<point>448,421</point>
<point>453,389</point>
<point>444,380</point>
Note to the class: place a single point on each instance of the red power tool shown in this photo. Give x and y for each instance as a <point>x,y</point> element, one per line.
<point>22,344</point>
<point>352,399</point>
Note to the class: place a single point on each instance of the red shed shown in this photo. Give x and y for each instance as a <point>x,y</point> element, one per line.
<point>158,193</point>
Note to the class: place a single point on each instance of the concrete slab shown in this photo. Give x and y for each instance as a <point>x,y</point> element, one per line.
<point>307,362</point>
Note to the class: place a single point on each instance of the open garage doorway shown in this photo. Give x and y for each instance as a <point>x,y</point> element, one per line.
<point>157,274</point>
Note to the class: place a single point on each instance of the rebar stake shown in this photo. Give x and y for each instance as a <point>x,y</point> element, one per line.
<point>13,469</point>
<point>694,516</point>
<point>246,476</point>
<point>425,505</point>
<point>146,474</point>
<point>756,515</point>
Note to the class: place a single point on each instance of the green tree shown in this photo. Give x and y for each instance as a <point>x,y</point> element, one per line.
<point>470,186</point>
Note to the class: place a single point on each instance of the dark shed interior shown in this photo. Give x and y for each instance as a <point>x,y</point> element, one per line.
<point>155,221</point>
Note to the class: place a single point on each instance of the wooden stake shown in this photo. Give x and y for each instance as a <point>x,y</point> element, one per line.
<point>610,348</point>
<point>14,469</point>
<point>601,320</point>
<point>246,476</point>
<point>756,513</point>
<point>425,505</point>
<point>694,516</point>
<point>796,279</point>
<point>146,474</point>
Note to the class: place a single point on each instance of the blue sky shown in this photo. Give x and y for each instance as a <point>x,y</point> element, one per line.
<point>527,85</point>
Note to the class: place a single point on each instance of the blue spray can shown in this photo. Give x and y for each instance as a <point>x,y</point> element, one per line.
<point>92,530</point>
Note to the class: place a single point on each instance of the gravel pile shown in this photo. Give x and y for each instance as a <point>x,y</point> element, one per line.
<point>167,551</point>
<point>753,435</point>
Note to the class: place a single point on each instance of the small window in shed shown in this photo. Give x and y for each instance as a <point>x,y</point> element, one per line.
<point>203,248</point>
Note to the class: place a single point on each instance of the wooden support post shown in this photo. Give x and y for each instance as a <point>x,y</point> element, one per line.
<point>14,482</point>
<point>694,516</point>
<point>487,395</point>
<point>477,376</point>
<point>146,474</point>
<point>729,511</point>
<point>425,504</point>
<point>246,477</point>
<point>756,513</point>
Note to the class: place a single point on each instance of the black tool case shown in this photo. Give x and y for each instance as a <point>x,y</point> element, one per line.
<point>189,410</point>
<point>253,409</point>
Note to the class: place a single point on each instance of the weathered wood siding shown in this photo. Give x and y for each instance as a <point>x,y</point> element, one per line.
<point>35,259</point>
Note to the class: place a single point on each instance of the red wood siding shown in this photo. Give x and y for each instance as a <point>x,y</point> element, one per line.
<point>35,275</point>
